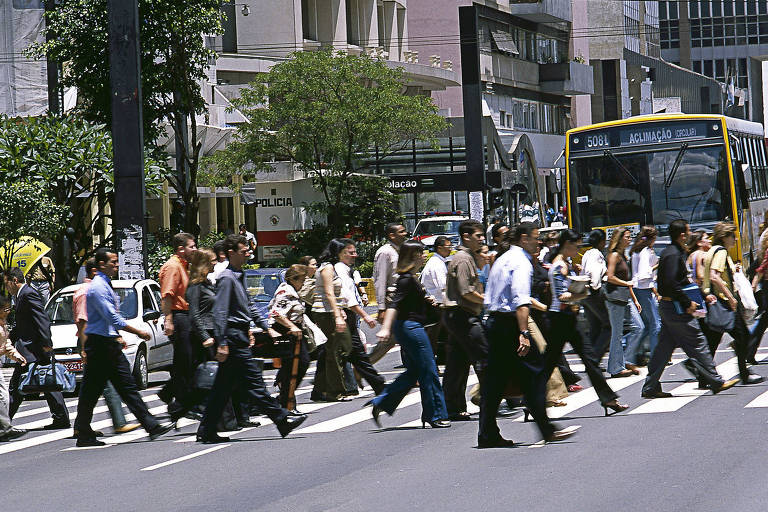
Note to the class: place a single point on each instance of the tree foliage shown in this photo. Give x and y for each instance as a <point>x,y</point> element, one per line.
<point>174,59</point>
<point>329,112</point>
<point>27,211</point>
<point>69,160</point>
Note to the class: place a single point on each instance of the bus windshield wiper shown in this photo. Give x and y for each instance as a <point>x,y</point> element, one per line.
<point>675,166</point>
<point>618,163</point>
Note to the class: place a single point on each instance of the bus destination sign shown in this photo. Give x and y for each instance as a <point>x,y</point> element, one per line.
<point>646,133</point>
<point>663,132</point>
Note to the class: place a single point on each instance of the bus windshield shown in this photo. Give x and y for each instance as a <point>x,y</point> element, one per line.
<point>641,188</point>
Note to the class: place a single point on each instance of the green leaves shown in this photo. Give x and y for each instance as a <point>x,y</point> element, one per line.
<point>27,210</point>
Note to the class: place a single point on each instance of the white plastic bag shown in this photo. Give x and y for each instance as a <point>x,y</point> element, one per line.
<point>318,334</point>
<point>747,297</point>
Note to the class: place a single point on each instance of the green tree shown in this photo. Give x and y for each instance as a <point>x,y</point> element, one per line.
<point>329,112</point>
<point>28,214</point>
<point>174,59</point>
<point>70,161</point>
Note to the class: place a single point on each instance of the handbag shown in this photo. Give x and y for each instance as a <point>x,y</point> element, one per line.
<point>268,347</point>
<point>205,374</point>
<point>746,296</point>
<point>720,318</point>
<point>47,378</point>
<point>318,336</point>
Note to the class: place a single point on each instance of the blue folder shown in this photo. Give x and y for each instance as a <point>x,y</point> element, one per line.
<point>694,293</point>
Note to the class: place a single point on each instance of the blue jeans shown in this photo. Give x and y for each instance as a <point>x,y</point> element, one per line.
<point>419,367</point>
<point>115,406</point>
<point>623,348</point>
<point>650,316</point>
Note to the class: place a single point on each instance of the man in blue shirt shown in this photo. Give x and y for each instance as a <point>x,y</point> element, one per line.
<point>105,360</point>
<point>510,352</point>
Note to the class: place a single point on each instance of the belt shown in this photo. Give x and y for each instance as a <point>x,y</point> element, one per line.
<point>239,325</point>
<point>668,299</point>
<point>503,314</point>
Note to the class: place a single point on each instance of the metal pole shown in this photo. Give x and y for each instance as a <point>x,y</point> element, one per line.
<point>52,67</point>
<point>127,137</point>
<point>472,96</point>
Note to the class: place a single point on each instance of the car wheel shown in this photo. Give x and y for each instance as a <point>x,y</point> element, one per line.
<point>141,370</point>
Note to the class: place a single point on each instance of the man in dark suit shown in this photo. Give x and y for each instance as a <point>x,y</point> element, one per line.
<point>32,337</point>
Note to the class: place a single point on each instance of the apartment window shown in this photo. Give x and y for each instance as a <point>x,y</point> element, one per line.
<point>697,66</point>
<point>708,68</point>
<point>720,70</point>
<point>355,23</point>
<point>502,118</point>
<point>309,19</point>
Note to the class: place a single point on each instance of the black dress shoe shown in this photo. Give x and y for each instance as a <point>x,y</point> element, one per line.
<point>289,423</point>
<point>460,416</point>
<point>496,443</point>
<point>295,412</point>
<point>211,439</point>
<point>84,442</point>
<point>12,433</point>
<point>94,433</point>
<point>752,379</point>
<point>57,425</point>
<point>248,424</point>
<point>160,430</point>
<point>657,394</point>
<point>504,412</point>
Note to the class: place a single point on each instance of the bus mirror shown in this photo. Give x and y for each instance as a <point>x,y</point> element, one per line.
<point>747,172</point>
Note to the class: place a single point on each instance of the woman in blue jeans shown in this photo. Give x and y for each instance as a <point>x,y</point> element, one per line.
<point>406,317</point>
<point>621,301</point>
<point>644,263</point>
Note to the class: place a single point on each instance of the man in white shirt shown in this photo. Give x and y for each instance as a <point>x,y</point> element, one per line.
<point>436,269</point>
<point>490,242</point>
<point>250,240</point>
<point>384,264</point>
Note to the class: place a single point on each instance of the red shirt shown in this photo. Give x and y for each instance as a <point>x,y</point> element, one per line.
<point>174,279</point>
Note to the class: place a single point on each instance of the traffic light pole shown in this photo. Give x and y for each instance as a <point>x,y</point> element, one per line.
<point>128,216</point>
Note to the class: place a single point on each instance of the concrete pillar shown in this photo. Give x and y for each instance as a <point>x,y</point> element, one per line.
<point>239,210</point>
<point>212,211</point>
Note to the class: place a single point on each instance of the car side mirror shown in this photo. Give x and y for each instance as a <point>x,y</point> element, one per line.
<point>151,315</point>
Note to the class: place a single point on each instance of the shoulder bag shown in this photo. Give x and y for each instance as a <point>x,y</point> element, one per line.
<point>47,378</point>
<point>720,317</point>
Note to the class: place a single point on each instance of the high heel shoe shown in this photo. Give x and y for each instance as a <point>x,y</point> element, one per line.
<point>375,411</point>
<point>615,406</point>
<point>436,424</point>
<point>527,415</point>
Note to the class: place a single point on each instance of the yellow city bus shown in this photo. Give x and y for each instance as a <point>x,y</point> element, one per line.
<point>654,169</point>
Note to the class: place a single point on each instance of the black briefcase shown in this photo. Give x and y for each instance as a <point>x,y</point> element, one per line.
<point>205,374</point>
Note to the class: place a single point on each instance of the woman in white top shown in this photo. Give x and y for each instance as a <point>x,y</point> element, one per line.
<point>644,264</point>
<point>354,311</point>
<point>593,265</point>
<point>328,314</point>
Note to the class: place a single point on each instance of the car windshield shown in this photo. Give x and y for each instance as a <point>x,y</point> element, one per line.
<point>640,188</point>
<point>60,308</point>
<point>437,227</point>
<point>262,286</point>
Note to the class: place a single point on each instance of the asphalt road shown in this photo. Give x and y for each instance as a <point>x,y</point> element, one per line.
<point>692,452</point>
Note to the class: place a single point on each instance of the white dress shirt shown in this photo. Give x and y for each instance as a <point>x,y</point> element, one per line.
<point>433,277</point>
<point>384,265</point>
<point>509,283</point>
<point>593,265</point>
<point>348,288</point>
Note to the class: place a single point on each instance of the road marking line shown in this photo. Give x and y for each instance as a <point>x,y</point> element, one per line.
<point>760,401</point>
<point>186,457</point>
<point>62,434</point>
<point>688,392</point>
<point>71,404</point>
<point>78,448</point>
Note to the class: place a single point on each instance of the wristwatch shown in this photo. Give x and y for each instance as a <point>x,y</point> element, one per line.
<point>526,333</point>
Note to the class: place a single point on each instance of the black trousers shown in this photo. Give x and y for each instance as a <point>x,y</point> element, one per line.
<point>286,368</point>
<point>762,323</point>
<point>106,362</point>
<point>740,334</point>
<point>505,363</point>
<point>358,357</point>
<point>562,329</point>
<point>185,359</point>
<point>680,331</point>
<point>467,346</point>
<point>239,369</point>
<point>599,327</point>
<point>55,400</point>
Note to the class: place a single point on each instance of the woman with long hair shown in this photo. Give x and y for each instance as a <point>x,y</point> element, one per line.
<point>698,244</point>
<point>593,265</point>
<point>644,264</point>
<point>328,313</point>
<point>562,318</point>
<point>621,301</point>
<point>286,313</point>
<point>406,317</point>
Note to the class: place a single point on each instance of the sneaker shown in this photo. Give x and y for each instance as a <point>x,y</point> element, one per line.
<point>161,429</point>
<point>129,427</point>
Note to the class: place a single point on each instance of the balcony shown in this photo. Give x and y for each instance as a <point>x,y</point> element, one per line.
<point>543,11</point>
<point>567,78</point>
<point>505,70</point>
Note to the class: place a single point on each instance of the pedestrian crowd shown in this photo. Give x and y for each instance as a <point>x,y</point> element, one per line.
<point>504,303</point>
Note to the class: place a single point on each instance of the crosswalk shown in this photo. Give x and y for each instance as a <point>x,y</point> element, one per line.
<point>326,418</point>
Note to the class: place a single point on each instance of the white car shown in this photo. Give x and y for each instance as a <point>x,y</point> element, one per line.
<point>139,305</point>
<point>429,228</point>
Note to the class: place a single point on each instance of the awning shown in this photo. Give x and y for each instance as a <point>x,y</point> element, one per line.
<point>504,42</point>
